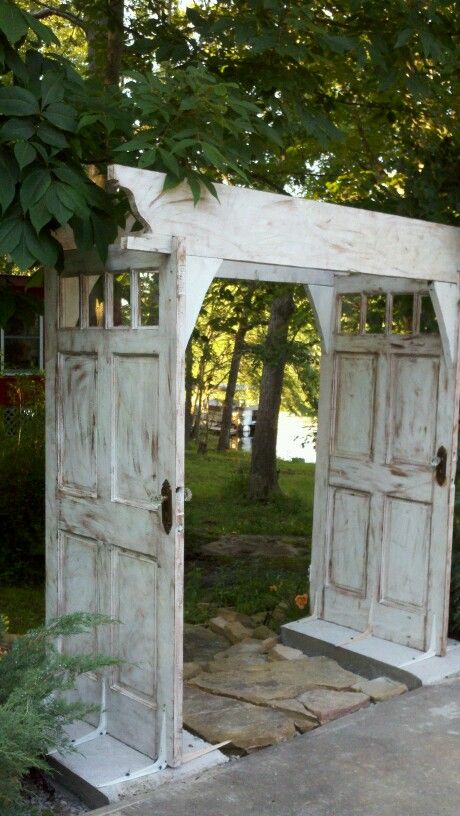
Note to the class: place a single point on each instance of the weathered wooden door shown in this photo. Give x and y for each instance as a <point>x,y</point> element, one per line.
<point>385,469</point>
<point>114,360</point>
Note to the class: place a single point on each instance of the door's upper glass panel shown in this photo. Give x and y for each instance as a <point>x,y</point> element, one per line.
<point>350,314</point>
<point>122,299</point>
<point>96,300</point>
<point>376,308</point>
<point>149,298</point>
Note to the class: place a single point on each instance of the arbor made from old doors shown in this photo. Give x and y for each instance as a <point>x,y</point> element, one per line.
<point>114,364</point>
<point>385,468</point>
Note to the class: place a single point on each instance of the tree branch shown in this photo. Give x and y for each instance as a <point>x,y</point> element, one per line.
<point>51,11</point>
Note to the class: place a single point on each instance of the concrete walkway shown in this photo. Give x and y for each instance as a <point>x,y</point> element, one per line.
<point>399,758</point>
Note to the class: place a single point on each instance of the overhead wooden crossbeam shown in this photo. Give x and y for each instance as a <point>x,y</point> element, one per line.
<point>266,228</point>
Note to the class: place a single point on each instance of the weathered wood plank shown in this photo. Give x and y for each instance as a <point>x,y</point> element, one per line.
<point>250,225</point>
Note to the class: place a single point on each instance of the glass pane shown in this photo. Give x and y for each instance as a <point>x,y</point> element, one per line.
<point>376,314</point>
<point>428,322</point>
<point>149,298</point>
<point>122,299</point>
<point>21,354</point>
<point>69,302</point>
<point>403,311</point>
<point>350,314</point>
<point>23,326</point>
<point>96,300</point>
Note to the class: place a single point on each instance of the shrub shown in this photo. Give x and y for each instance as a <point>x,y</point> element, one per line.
<point>33,708</point>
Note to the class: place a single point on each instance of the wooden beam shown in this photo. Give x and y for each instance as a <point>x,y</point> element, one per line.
<point>323,300</point>
<point>445,297</point>
<point>258,227</point>
<point>200,273</point>
<point>269,273</point>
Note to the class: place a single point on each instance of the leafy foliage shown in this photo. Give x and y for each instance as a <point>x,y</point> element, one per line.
<point>54,123</point>
<point>33,710</point>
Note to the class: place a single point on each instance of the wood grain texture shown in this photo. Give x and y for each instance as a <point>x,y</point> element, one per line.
<point>249,225</point>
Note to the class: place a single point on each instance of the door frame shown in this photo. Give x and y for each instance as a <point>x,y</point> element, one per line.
<point>252,235</point>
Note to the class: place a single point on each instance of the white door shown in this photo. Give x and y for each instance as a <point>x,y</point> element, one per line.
<point>385,469</point>
<point>114,370</point>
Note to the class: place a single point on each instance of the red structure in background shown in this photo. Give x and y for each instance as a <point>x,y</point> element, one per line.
<point>21,343</point>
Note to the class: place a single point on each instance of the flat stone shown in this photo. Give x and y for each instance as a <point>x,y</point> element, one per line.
<point>280,680</point>
<point>282,652</point>
<point>216,719</point>
<point>303,720</point>
<point>381,688</point>
<point>218,625</point>
<point>200,644</point>
<point>232,615</point>
<point>191,670</point>
<point>236,632</point>
<point>263,632</point>
<point>327,704</point>
<point>268,644</point>
<point>257,546</point>
<point>235,664</point>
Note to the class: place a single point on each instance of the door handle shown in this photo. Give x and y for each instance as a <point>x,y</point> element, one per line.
<point>440,465</point>
<point>166,506</point>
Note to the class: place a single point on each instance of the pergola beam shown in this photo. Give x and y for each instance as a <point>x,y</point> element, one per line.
<point>265,228</point>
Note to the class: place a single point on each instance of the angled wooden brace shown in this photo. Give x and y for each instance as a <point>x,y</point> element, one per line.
<point>445,297</point>
<point>322,300</point>
<point>200,273</point>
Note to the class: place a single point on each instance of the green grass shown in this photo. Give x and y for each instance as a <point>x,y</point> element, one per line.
<point>218,482</point>
<point>23,606</point>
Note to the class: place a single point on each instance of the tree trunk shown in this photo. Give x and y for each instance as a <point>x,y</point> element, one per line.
<point>227,411</point>
<point>188,391</point>
<point>115,41</point>
<point>263,479</point>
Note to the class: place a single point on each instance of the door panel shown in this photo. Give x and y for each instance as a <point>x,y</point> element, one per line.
<point>382,525</point>
<point>117,364</point>
<point>355,381</point>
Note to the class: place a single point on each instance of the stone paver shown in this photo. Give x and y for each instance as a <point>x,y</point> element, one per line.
<point>327,704</point>
<point>277,680</point>
<point>381,688</point>
<point>200,644</point>
<point>281,652</point>
<point>247,726</point>
<point>256,546</point>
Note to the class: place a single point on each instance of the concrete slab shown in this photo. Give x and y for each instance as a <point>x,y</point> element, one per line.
<point>90,771</point>
<point>369,655</point>
<point>400,757</point>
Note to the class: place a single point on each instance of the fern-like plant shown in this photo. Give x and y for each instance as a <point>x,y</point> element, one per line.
<point>33,707</point>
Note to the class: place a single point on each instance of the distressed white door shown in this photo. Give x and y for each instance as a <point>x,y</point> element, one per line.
<point>114,360</point>
<point>383,506</point>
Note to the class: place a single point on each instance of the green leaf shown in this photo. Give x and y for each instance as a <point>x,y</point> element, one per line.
<point>39,215</point>
<point>72,199</point>
<point>171,181</point>
<point>7,306</point>
<point>52,88</point>
<point>17,129</point>
<point>42,31</point>
<point>25,153</point>
<point>42,246</point>
<point>105,231</point>
<point>210,186</point>
<point>10,231</point>
<point>13,22</point>
<point>83,233</point>
<point>49,135</point>
<point>8,175</point>
<point>62,116</point>
<point>213,155</point>
<point>55,205</point>
<point>36,280</point>
<point>195,187</point>
<point>34,187</point>
<point>16,101</point>
<point>403,37</point>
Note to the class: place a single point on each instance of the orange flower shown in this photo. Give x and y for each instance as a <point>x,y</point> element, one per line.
<point>301,601</point>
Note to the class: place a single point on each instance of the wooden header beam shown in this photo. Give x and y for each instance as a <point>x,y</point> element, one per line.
<point>264,228</point>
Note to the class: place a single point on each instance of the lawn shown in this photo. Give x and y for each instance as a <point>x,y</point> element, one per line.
<point>218,506</point>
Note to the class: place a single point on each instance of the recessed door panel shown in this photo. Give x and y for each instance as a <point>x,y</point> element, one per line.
<point>354,405</point>
<point>135,443</point>
<point>77,423</point>
<point>414,394</point>
<point>349,541</point>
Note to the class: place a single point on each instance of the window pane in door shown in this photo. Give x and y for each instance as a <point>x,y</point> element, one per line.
<point>403,314</point>
<point>376,314</point>
<point>428,322</point>
<point>122,299</point>
<point>21,353</point>
<point>69,306</point>
<point>96,300</point>
<point>149,298</point>
<point>350,314</point>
